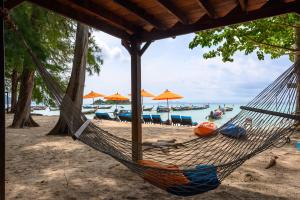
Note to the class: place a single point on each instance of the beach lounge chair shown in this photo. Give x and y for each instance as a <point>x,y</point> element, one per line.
<point>156,119</point>
<point>125,117</point>
<point>176,120</point>
<point>187,121</point>
<point>147,119</point>
<point>105,116</point>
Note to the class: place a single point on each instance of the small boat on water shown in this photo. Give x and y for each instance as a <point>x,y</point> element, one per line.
<point>163,109</point>
<point>214,115</point>
<point>148,109</point>
<point>104,107</point>
<point>228,109</point>
<point>38,107</point>
<point>88,112</point>
<point>90,106</point>
<point>54,108</point>
<point>181,108</point>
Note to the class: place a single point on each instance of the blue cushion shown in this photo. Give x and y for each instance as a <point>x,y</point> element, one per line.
<point>156,116</point>
<point>232,130</point>
<point>202,179</point>
<point>147,116</point>
<point>186,117</point>
<point>175,116</point>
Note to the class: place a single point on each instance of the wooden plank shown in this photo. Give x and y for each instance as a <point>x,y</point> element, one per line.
<point>141,13</point>
<point>102,12</point>
<point>2,109</point>
<point>136,104</point>
<point>82,17</point>
<point>243,5</point>
<point>234,17</point>
<point>207,7</point>
<point>174,11</point>
<point>10,4</point>
<point>145,47</point>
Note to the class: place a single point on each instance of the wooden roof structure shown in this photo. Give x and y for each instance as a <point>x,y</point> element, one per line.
<point>143,21</point>
<point>148,20</point>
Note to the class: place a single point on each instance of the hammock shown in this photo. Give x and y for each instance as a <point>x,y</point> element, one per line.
<point>198,165</point>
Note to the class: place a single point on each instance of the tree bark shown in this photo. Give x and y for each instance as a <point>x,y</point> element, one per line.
<point>14,90</point>
<point>76,83</point>
<point>22,114</point>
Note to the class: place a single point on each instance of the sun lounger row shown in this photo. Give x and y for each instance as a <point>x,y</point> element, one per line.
<point>150,119</point>
<point>182,120</point>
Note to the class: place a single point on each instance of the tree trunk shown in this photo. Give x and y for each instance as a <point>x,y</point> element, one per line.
<point>76,84</point>
<point>22,114</point>
<point>14,90</point>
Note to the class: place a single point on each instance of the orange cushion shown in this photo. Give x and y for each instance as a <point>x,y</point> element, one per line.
<point>205,129</point>
<point>163,179</point>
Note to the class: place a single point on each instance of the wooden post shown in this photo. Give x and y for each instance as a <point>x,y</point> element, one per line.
<point>297,56</point>
<point>2,110</point>
<point>136,104</point>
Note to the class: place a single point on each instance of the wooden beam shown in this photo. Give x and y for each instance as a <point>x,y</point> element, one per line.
<point>145,47</point>
<point>174,10</point>
<point>100,11</point>
<point>243,5</point>
<point>94,22</point>
<point>2,110</point>
<point>141,13</point>
<point>236,16</point>
<point>126,45</point>
<point>136,103</point>
<point>207,7</point>
<point>10,4</point>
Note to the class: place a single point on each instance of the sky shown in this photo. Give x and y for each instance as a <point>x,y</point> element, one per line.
<point>170,64</point>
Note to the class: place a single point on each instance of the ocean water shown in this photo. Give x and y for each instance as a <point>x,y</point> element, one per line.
<point>197,115</point>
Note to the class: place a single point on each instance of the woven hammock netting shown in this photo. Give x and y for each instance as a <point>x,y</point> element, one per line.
<point>198,165</point>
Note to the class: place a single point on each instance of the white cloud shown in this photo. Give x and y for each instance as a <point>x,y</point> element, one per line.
<point>169,64</point>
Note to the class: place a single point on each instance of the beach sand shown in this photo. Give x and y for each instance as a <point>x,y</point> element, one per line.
<point>49,167</point>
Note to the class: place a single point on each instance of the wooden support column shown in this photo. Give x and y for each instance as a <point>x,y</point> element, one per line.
<point>2,109</point>
<point>136,51</point>
<point>136,104</point>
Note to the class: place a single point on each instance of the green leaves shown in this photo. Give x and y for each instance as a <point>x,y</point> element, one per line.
<point>273,36</point>
<point>52,38</point>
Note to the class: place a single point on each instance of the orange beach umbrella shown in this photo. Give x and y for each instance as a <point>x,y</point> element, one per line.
<point>116,97</point>
<point>168,95</point>
<point>93,95</point>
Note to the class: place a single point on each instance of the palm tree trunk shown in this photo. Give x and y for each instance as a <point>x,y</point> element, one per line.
<point>14,90</point>
<point>22,114</point>
<point>76,84</point>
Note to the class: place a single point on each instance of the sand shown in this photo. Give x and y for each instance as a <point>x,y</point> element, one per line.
<point>49,167</point>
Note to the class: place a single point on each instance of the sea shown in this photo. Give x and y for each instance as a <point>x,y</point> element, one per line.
<point>197,115</point>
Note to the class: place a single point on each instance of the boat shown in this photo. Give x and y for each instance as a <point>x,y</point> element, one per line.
<point>205,129</point>
<point>124,112</point>
<point>200,107</point>
<point>54,108</point>
<point>181,108</point>
<point>214,115</point>
<point>90,106</point>
<point>148,109</point>
<point>38,107</point>
<point>162,109</point>
<point>228,109</point>
<point>88,112</point>
<point>104,107</point>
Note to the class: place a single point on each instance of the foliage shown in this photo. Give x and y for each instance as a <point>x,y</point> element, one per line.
<point>110,102</point>
<point>52,38</point>
<point>274,36</point>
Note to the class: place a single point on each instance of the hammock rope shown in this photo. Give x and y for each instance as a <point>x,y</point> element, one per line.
<point>198,165</point>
